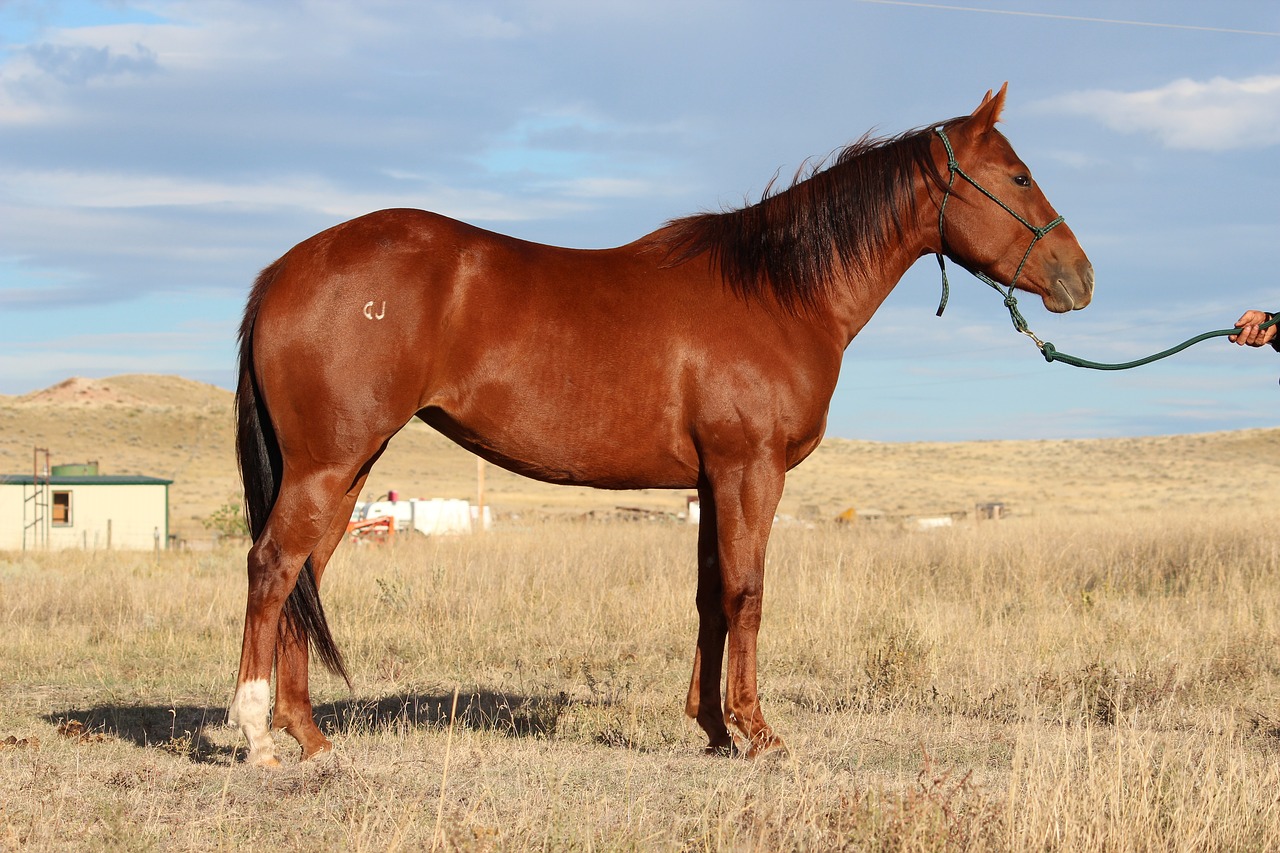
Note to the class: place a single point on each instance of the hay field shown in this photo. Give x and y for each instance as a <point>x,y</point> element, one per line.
<point>1099,672</point>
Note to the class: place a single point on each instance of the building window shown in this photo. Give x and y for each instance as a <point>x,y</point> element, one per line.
<point>61,509</point>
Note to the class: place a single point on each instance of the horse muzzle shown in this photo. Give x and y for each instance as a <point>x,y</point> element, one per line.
<point>1069,288</point>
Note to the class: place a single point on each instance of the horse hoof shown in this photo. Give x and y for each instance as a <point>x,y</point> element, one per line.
<point>317,751</point>
<point>772,749</point>
<point>267,761</point>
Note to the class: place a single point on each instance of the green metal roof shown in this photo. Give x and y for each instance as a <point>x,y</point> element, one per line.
<point>88,480</point>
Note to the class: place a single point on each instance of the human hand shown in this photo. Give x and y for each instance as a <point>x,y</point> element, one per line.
<point>1250,334</point>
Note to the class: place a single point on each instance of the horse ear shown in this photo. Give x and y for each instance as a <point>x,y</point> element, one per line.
<point>988,112</point>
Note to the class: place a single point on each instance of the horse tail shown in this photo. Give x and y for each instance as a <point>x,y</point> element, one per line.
<point>261,465</point>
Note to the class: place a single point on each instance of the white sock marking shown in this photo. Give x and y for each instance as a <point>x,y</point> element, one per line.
<point>249,711</point>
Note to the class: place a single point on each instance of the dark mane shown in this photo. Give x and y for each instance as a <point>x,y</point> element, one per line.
<point>793,241</point>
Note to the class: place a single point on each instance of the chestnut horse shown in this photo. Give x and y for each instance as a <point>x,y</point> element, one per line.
<point>702,356</point>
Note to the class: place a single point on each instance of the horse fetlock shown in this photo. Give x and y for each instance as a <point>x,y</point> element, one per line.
<point>727,748</point>
<point>309,738</point>
<point>250,702</point>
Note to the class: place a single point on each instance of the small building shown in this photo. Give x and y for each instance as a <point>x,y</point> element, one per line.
<point>73,506</point>
<point>992,510</point>
<point>432,517</point>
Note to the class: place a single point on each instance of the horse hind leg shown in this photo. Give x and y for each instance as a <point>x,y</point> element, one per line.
<point>302,515</point>
<point>293,710</point>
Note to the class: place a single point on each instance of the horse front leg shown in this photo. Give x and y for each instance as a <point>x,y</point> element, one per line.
<point>703,702</point>
<point>746,498</point>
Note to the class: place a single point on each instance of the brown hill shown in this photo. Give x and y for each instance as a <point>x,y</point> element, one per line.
<point>137,389</point>
<point>171,427</point>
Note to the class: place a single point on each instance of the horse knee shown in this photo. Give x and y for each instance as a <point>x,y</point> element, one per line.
<point>742,607</point>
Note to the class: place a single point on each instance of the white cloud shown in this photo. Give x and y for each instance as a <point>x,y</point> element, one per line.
<point>98,190</point>
<point>1216,115</point>
<point>610,188</point>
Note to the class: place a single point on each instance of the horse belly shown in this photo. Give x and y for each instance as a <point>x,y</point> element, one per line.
<point>570,441</point>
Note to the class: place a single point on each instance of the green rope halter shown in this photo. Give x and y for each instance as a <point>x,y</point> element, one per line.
<point>1038,233</point>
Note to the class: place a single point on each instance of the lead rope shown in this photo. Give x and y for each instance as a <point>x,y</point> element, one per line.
<point>1051,354</point>
<point>1046,348</point>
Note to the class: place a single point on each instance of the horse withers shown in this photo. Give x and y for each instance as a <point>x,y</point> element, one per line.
<point>700,356</point>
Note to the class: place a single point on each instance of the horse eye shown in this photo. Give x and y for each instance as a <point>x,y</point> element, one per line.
<point>1022,180</point>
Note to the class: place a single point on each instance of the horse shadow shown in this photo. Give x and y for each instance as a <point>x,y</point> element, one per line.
<point>185,730</point>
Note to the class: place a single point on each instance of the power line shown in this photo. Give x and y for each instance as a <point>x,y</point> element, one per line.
<point>1082,18</point>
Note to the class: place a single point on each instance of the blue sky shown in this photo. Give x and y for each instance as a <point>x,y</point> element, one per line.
<point>155,155</point>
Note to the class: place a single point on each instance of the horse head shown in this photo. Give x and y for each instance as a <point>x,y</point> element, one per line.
<point>995,221</point>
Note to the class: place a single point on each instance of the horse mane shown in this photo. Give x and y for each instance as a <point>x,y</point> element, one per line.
<point>837,213</point>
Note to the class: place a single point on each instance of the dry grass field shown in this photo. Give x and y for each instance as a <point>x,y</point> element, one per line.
<point>1100,672</point>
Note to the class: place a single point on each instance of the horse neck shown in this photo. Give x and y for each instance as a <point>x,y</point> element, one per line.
<point>858,293</point>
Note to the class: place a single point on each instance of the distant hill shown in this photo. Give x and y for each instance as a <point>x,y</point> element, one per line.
<point>171,427</point>
<point>137,389</point>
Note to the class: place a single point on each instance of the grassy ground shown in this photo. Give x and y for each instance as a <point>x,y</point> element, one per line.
<point>1091,683</point>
